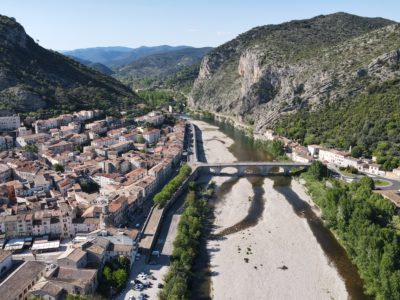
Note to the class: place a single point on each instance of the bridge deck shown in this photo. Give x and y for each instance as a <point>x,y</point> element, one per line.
<point>254,163</point>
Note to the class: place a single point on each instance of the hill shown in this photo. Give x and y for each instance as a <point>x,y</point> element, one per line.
<point>33,78</point>
<point>172,68</point>
<point>96,66</point>
<point>273,71</point>
<point>117,56</point>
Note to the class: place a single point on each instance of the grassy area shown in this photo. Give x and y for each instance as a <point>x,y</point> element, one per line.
<point>381,182</point>
<point>348,174</point>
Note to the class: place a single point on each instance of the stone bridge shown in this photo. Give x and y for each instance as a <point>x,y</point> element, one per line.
<point>243,168</point>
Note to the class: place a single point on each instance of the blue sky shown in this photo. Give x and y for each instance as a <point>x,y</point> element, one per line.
<point>71,24</point>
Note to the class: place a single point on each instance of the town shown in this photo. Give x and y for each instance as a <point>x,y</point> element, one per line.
<point>342,164</point>
<point>75,193</point>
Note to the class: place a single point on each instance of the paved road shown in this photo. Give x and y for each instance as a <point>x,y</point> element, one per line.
<point>394,184</point>
<point>164,245</point>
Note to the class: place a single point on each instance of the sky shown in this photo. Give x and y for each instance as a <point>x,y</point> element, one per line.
<point>72,24</point>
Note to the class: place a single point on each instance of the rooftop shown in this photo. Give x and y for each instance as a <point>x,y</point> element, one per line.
<point>20,279</point>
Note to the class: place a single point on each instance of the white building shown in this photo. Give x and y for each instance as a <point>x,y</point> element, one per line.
<point>152,136</point>
<point>10,122</point>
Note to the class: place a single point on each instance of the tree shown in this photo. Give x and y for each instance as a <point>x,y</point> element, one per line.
<point>368,182</point>
<point>356,151</point>
<point>317,170</point>
<point>124,262</point>
<point>140,139</point>
<point>107,274</point>
<point>58,167</point>
<point>120,277</point>
<point>33,148</point>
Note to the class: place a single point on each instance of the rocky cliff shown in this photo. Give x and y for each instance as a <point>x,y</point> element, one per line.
<point>275,70</point>
<point>33,78</point>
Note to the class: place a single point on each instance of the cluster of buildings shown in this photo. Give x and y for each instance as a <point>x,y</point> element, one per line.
<point>72,176</point>
<point>126,165</point>
<point>76,271</point>
<point>329,156</point>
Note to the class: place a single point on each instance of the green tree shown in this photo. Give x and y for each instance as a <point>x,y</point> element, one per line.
<point>58,167</point>
<point>140,139</point>
<point>356,151</point>
<point>120,276</point>
<point>317,170</point>
<point>33,148</point>
<point>367,182</point>
<point>107,274</point>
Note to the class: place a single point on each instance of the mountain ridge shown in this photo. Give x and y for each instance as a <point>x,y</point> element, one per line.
<point>274,70</point>
<point>116,56</point>
<point>33,78</point>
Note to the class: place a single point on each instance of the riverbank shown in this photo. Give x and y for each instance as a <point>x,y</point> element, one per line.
<point>276,256</point>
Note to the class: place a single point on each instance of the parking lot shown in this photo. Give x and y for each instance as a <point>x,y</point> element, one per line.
<point>157,271</point>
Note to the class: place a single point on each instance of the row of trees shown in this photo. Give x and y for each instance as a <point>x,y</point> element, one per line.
<point>162,198</point>
<point>367,226</point>
<point>185,249</point>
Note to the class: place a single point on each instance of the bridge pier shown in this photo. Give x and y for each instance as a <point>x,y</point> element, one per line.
<point>265,170</point>
<point>286,171</point>
<point>215,170</point>
<point>240,171</point>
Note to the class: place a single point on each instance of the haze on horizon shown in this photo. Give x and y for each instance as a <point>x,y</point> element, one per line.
<point>72,24</point>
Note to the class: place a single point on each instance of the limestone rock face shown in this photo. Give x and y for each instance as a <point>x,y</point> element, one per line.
<point>272,71</point>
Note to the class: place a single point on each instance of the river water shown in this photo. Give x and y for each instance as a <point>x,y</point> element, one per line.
<point>244,149</point>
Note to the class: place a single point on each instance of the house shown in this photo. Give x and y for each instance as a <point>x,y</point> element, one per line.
<point>118,210</point>
<point>396,172</point>
<point>17,285</point>
<point>122,147</point>
<point>136,174</point>
<point>105,141</point>
<point>151,136</point>
<point>10,123</point>
<point>75,281</point>
<point>96,250</point>
<point>300,154</point>
<point>6,142</point>
<point>131,136</point>
<point>334,156</point>
<point>32,139</point>
<point>103,178</point>
<point>61,147</point>
<point>47,290</point>
<point>73,258</point>
<point>313,150</point>
<point>5,173</point>
<point>44,125</point>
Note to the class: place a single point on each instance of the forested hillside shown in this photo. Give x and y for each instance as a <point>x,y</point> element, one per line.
<point>33,78</point>
<point>369,123</point>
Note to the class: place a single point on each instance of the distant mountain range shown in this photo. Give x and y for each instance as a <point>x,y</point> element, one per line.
<point>157,69</point>
<point>33,78</point>
<point>118,56</point>
<point>145,67</point>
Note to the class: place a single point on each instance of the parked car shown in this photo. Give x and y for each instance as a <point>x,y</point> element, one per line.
<point>160,285</point>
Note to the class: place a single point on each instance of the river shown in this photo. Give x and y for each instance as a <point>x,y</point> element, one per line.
<point>245,209</point>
